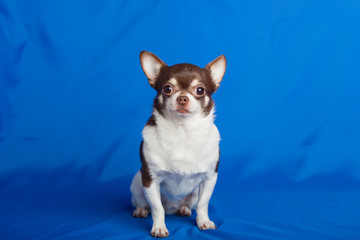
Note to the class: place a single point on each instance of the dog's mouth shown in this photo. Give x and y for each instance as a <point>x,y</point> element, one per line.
<point>182,110</point>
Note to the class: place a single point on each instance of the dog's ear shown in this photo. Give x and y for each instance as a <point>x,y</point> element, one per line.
<point>151,66</point>
<point>217,69</point>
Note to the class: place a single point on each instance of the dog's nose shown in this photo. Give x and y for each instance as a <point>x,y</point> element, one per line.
<point>182,100</point>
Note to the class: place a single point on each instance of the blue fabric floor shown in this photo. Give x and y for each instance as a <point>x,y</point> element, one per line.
<point>66,204</point>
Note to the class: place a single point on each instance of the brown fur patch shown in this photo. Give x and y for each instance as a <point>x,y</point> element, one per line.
<point>145,171</point>
<point>158,106</point>
<point>207,108</point>
<point>151,121</point>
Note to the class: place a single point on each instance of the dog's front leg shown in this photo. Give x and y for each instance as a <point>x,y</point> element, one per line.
<point>205,191</point>
<point>152,194</point>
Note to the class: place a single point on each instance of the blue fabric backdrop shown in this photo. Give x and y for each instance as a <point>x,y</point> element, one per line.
<point>73,101</point>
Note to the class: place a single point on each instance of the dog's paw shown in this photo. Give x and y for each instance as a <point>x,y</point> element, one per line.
<point>140,213</point>
<point>184,211</point>
<point>204,225</point>
<point>159,232</point>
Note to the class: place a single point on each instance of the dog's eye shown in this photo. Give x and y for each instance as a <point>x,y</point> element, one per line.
<point>200,91</point>
<point>167,90</point>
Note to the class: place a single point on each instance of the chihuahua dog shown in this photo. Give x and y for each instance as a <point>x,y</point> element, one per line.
<point>180,148</point>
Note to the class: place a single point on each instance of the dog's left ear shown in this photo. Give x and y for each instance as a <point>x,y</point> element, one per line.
<point>217,69</point>
<point>151,66</point>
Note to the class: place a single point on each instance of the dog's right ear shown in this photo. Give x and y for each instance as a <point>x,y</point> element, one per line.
<point>151,66</point>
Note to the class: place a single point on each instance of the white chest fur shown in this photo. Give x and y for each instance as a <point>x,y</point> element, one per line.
<point>181,148</point>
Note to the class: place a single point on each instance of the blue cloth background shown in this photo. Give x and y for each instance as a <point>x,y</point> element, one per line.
<point>73,102</point>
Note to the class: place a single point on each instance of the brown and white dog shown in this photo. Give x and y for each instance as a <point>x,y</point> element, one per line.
<point>180,148</point>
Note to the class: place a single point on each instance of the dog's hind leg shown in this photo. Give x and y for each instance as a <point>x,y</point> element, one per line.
<point>188,203</point>
<point>138,198</point>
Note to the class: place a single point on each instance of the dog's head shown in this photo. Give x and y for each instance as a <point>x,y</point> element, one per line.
<point>183,89</point>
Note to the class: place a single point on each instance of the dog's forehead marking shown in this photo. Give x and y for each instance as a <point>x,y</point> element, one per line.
<point>186,79</point>
<point>173,81</point>
<point>195,82</point>
<point>185,73</point>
